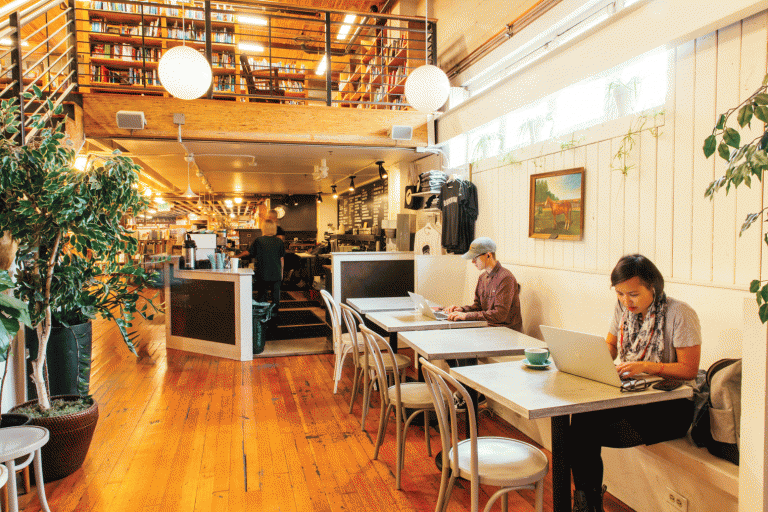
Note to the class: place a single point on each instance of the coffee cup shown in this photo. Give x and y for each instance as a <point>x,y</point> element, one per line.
<point>233,263</point>
<point>537,355</point>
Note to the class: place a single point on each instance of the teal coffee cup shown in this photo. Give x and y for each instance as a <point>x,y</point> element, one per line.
<point>537,355</point>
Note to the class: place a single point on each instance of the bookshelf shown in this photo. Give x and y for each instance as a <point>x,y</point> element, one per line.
<point>119,45</point>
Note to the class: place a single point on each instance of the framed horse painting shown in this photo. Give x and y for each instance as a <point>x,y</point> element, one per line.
<point>557,205</point>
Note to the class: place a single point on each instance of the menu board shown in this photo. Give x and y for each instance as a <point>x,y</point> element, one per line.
<point>366,206</point>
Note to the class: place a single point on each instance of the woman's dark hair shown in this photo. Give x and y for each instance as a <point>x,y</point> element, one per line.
<point>637,265</point>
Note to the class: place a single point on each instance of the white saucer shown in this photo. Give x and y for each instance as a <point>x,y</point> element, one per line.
<point>537,366</point>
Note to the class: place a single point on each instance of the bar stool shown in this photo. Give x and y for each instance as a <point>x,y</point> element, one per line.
<point>19,442</point>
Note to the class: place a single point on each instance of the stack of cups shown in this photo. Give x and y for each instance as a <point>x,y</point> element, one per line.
<point>220,261</point>
<point>233,263</point>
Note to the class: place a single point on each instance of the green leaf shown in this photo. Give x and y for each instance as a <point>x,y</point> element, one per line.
<point>731,137</point>
<point>709,146</point>
<point>761,99</point>
<point>721,122</point>
<point>751,218</point>
<point>763,313</point>
<point>38,92</point>
<point>723,151</point>
<point>745,115</point>
<point>761,113</point>
<point>765,80</point>
<point>754,286</point>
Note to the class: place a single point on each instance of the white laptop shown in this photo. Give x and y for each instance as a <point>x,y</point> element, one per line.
<point>585,355</point>
<point>422,306</point>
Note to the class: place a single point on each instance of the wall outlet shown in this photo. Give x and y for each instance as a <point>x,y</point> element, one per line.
<point>675,502</point>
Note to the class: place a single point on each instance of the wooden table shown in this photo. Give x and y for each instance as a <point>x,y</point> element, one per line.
<point>468,343</point>
<point>556,395</point>
<point>394,322</point>
<point>365,305</point>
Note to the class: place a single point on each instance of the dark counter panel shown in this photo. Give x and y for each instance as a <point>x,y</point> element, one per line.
<point>388,278</point>
<point>203,310</point>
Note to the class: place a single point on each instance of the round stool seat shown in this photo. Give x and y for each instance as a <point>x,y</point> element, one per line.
<point>3,475</point>
<point>18,441</point>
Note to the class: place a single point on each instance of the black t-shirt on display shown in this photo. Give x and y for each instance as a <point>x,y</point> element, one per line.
<point>268,250</point>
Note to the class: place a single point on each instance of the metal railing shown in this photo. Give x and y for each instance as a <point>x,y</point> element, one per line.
<point>259,52</point>
<point>37,50</point>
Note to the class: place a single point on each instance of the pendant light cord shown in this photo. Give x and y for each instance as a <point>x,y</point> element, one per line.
<point>426,36</point>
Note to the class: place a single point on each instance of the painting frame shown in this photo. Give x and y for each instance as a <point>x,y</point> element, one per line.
<point>547,225</point>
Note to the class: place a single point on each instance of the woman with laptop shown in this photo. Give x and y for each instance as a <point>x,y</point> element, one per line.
<point>651,334</point>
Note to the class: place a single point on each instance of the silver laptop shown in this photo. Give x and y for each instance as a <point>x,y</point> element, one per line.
<point>422,306</point>
<point>585,355</point>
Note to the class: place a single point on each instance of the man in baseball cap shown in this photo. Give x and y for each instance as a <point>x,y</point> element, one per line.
<point>497,300</point>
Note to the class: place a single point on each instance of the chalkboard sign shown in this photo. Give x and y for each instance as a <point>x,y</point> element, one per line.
<point>368,204</point>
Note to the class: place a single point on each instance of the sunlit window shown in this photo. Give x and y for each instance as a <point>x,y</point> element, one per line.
<point>636,86</point>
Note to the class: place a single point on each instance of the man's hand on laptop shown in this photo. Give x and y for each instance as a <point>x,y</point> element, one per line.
<point>450,309</point>
<point>457,315</point>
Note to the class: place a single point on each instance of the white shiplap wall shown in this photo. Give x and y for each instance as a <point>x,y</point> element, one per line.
<point>659,208</point>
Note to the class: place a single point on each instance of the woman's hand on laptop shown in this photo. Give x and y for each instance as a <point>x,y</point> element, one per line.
<point>631,368</point>
<point>457,315</point>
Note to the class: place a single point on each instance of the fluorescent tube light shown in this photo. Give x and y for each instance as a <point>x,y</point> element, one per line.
<point>344,30</point>
<point>246,46</point>
<point>253,20</point>
<point>6,41</point>
<point>322,65</point>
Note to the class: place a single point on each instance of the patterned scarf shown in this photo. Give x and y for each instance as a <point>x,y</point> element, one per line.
<point>643,340</point>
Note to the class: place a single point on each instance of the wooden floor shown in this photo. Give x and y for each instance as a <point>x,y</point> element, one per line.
<point>184,432</point>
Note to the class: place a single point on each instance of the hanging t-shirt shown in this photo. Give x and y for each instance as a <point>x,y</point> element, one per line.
<point>450,196</point>
<point>468,215</point>
<point>427,241</point>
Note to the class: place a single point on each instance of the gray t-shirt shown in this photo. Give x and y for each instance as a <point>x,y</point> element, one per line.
<point>681,328</point>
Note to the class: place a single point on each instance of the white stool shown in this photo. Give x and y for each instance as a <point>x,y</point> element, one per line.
<point>17,442</point>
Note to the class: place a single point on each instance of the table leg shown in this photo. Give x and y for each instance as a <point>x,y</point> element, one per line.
<point>39,481</point>
<point>561,465</point>
<point>393,341</point>
<point>13,498</point>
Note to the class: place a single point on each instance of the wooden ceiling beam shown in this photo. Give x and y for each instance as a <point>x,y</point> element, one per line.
<point>231,121</point>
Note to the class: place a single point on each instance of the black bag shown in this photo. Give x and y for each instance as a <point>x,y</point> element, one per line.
<point>716,426</point>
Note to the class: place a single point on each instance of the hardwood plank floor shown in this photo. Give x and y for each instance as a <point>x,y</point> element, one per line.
<point>186,432</point>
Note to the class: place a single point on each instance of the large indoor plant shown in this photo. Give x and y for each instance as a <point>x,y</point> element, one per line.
<point>745,162</point>
<point>68,227</point>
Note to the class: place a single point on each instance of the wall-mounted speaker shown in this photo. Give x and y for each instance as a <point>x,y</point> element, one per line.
<point>127,120</point>
<point>401,132</point>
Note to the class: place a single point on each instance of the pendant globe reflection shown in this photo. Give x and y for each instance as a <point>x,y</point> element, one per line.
<point>427,88</point>
<point>185,73</point>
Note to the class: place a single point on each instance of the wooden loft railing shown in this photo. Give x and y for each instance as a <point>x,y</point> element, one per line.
<point>256,50</point>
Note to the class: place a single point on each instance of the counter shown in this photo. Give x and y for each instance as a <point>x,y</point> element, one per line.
<point>370,274</point>
<point>209,312</point>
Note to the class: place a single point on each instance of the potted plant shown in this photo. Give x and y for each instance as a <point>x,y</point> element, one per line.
<point>622,96</point>
<point>745,162</point>
<point>67,226</point>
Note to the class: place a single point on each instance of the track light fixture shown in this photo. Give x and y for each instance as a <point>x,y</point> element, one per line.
<point>382,172</point>
<point>319,197</point>
<point>333,189</point>
<point>351,183</point>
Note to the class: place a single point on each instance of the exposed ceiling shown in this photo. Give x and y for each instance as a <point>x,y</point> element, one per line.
<point>246,168</point>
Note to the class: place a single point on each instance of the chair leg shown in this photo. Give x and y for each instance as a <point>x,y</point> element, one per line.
<point>426,433</point>
<point>539,506</point>
<point>355,386</point>
<point>383,420</point>
<point>400,438</point>
<point>39,481</point>
<point>367,385</point>
<point>505,502</point>
<point>336,372</point>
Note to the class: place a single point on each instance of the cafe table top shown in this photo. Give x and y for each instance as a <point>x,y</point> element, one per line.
<point>365,305</point>
<point>471,342</point>
<point>543,393</point>
<point>397,321</point>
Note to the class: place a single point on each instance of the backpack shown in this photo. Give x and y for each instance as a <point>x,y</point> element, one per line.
<point>717,409</point>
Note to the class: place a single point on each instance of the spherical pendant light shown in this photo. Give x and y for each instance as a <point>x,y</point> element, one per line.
<point>427,88</point>
<point>185,73</point>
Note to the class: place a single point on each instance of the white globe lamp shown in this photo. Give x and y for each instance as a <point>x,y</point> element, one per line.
<point>427,88</point>
<point>185,73</point>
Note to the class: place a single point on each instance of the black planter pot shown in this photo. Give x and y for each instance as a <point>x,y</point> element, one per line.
<point>12,419</point>
<point>68,359</point>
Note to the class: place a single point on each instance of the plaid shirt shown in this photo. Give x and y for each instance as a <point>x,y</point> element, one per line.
<point>497,300</point>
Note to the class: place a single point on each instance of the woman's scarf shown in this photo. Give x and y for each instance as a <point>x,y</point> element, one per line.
<point>643,340</point>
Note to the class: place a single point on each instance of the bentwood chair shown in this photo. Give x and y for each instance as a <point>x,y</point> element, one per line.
<point>353,321</point>
<point>496,461</point>
<point>401,396</point>
<point>342,343</point>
